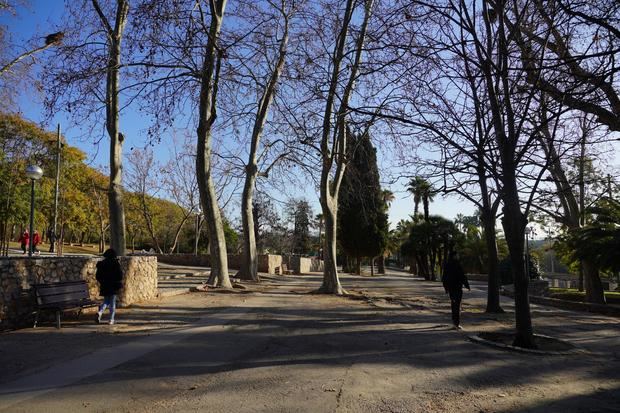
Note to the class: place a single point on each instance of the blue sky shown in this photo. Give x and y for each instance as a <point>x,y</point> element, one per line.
<point>42,17</point>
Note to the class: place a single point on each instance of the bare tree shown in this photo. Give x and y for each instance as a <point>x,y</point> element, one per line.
<point>567,204</point>
<point>581,42</point>
<point>266,74</point>
<point>83,76</point>
<point>179,181</point>
<point>143,180</point>
<point>334,130</point>
<point>181,57</point>
<point>51,40</point>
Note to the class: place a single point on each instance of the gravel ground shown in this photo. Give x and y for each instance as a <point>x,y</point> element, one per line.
<point>276,348</point>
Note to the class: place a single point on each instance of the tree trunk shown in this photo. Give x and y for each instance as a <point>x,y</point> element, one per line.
<point>177,233</point>
<point>198,226</point>
<point>381,265</point>
<point>594,288</point>
<point>115,194</point>
<point>208,112</point>
<point>331,282</point>
<point>493,281</point>
<point>333,145</point>
<point>249,266</point>
<point>514,228</point>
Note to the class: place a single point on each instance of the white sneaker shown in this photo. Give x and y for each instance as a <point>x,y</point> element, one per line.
<point>111,322</point>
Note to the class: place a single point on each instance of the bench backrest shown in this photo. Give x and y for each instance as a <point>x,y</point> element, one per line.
<point>63,292</point>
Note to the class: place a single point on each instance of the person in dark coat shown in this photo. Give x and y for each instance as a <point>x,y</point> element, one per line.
<point>110,277</point>
<point>454,280</point>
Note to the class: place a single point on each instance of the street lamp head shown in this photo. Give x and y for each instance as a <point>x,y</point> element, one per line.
<point>34,172</point>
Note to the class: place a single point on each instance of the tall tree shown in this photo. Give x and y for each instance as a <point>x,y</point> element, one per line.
<point>417,187</point>
<point>333,142</point>
<point>300,216</point>
<point>568,203</point>
<point>272,70</point>
<point>207,112</point>
<point>363,226</point>
<point>114,36</point>
<point>83,76</point>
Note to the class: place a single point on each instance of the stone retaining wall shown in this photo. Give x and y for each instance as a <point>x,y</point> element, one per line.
<point>189,260</point>
<point>267,263</point>
<point>270,264</point>
<point>17,273</point>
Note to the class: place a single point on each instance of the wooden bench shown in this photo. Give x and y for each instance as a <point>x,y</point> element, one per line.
<point>61,296</point>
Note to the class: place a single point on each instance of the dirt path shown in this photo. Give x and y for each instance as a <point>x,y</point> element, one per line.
<point>281,349</point>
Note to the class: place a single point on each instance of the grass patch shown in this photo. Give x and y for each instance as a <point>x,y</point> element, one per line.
<point>573,294</point>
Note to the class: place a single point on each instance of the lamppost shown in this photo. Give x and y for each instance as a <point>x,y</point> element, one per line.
<point>34,173</point>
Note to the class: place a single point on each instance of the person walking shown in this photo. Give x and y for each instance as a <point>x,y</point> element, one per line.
<point>454,279</point>
<point>24,240</point>
<point>36,240</point>
<point>110,277</point>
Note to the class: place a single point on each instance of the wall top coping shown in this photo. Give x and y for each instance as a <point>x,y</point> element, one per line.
<point>70,257</point>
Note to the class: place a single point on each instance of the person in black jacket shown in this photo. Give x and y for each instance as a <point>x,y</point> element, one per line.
<point>110,277</point>
<point>453,281</point>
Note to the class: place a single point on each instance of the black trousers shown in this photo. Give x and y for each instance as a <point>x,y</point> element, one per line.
<point>455,300</point>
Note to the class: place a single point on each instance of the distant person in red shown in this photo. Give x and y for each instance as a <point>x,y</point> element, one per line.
<point>24,240</point>
<point>36,240</point>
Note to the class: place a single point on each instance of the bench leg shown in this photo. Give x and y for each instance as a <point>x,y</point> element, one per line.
<point>79,313</point>
<point>57,319</point>
<point>36,319</point>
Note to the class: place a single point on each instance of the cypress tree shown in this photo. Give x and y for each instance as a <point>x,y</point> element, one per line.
<point>363,221</point>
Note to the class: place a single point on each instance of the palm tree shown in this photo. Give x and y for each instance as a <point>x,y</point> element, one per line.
<point>388,197</point>
<point>423,192</point>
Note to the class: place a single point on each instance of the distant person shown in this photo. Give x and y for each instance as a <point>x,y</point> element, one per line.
<point>454,280</point>
<point>51,237</point>
<point>24,241</point>
<point>36,240</point>
<point>110,277</point>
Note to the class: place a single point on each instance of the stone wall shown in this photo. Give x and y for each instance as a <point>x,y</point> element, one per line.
<point>189,260</point>
<point>270,264</point>
<point>300,265</point>
<point>534,288</point>
<point>18,273</point>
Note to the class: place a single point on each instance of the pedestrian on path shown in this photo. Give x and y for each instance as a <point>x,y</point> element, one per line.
<point>454,279</point>
<point>24,240</point>
<point>36,240</point>
<point>110,277</point>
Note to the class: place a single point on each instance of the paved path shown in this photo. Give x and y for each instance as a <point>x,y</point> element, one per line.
<point>282,349</point>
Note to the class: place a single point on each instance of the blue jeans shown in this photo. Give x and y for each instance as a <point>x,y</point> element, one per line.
<point>108,301</point>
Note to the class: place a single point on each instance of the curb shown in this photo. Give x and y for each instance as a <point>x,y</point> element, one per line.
<point>574,351</point>
<point>611,310</point>
<point>172,293</point>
